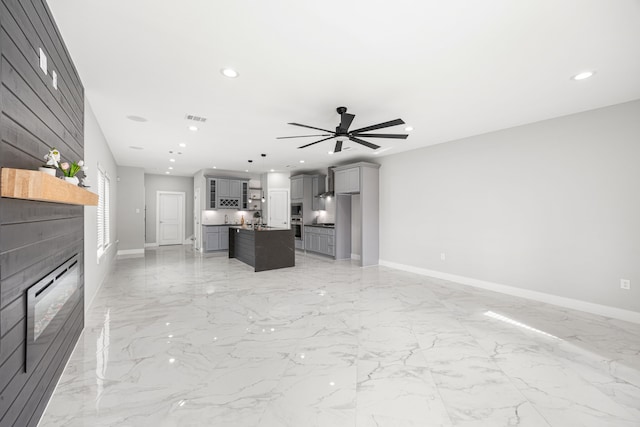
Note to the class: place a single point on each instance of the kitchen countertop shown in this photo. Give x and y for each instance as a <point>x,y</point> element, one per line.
<point>217,225</point>
<point>263,228</point>
<point>320,225</point>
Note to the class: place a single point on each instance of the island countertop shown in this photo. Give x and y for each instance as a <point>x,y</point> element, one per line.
<point>263,228</point>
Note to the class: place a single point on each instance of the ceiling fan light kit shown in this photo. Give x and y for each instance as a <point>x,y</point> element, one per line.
<point>343,133</point>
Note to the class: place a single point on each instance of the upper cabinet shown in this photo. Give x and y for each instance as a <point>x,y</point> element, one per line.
<point>223,187</point>
<point>347,181</point>
<point>212,193</point>
<point>297,187</point>
<point>224,193</point>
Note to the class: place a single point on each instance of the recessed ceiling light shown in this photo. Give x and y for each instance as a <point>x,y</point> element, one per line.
<point>172,160</point>
<point>135,147</point>
<point>137,119</point>
<point>170,167</point>
<point>583,75</point>
<point>301,161</point>
<point>167,172</point>
<point>330,152</point>
<point>408,129</point>
<point>246,170</point>
<point>193,128</point>
<point>182,144</point>
<point>273,170</point>
<point>229,72</point>
<point>215,167</point>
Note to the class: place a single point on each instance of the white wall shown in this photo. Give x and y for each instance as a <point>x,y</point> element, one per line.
<point>97,150</point>
<point>155,183</point>
<point>551,207</point>
<point>130,185</point>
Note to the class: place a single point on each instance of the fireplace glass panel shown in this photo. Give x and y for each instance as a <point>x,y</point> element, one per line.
<point>48,305</point>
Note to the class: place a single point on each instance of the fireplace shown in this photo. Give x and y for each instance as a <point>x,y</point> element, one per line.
<point>50,302</point>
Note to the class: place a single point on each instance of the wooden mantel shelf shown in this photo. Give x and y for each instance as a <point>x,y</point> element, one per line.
<point>36,185</point>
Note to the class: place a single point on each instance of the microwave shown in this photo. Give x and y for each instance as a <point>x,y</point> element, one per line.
<point>296,209</point>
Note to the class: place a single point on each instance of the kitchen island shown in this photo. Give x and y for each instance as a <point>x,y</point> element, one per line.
<point>264,248</point>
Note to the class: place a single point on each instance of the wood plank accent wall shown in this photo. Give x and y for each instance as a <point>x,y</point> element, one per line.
<point>35,237</point>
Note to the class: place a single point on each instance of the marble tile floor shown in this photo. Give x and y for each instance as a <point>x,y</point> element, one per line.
<point>177,338</point>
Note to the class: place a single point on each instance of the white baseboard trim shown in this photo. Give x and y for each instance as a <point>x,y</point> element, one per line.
<point>151,245</point>
<point>574,304</point>
<point>131,252</point>
<point>356,257</point>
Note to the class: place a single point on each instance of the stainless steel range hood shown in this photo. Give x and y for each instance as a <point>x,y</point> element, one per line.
<point>330,179</point>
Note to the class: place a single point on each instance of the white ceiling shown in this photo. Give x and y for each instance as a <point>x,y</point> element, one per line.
<point>450,69</point>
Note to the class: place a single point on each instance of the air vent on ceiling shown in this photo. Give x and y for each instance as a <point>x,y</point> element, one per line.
<point>195,118</point>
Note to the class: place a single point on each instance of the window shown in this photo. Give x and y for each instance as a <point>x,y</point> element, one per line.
<point>104,187</point>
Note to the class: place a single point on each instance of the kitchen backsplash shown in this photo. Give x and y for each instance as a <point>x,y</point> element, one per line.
<point>234,216</point>
<point>214,217</point>
<point>327,215</point>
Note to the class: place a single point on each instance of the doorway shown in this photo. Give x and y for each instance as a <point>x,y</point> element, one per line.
<point>170,220</point>
<point>279,208</point>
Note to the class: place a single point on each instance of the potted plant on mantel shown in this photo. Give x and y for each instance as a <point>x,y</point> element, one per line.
<point>70,170</point>
<point>52,164</point>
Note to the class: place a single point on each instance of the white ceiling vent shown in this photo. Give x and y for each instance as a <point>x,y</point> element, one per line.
<point>195,118</point>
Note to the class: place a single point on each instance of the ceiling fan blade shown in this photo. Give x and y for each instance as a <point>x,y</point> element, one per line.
<point>379,126</point>
<point>365,143</point>
<point>383,135</point>
<point>338,147</point>
<point>301,136</point>
<point>317,142</point>
<point>345,122</point>
<point>311,127</point>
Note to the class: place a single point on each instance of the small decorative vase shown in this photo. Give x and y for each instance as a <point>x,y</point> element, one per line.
<point>50,171</point>
<point>71,180</point>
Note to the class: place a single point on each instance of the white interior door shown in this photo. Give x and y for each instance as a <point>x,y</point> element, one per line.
<point>279,208</point>
<point>170,227</point>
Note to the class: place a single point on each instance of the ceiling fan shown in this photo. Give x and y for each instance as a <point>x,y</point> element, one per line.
<point>342,131</point>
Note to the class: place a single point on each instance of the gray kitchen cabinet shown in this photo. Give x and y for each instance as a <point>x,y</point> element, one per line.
<point>320,240</point>
<point>211,238</point>
<point>363,179</point>
<point>235,188</point>
<point>215,237</point>
<point>244,195</point>
<point>318,203</point>
<point>347,181</point>
<point>223,238</point>
<point>212,195</point>
<point>223,187</point>
<point>225,193</point>
<point>297,188</point>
